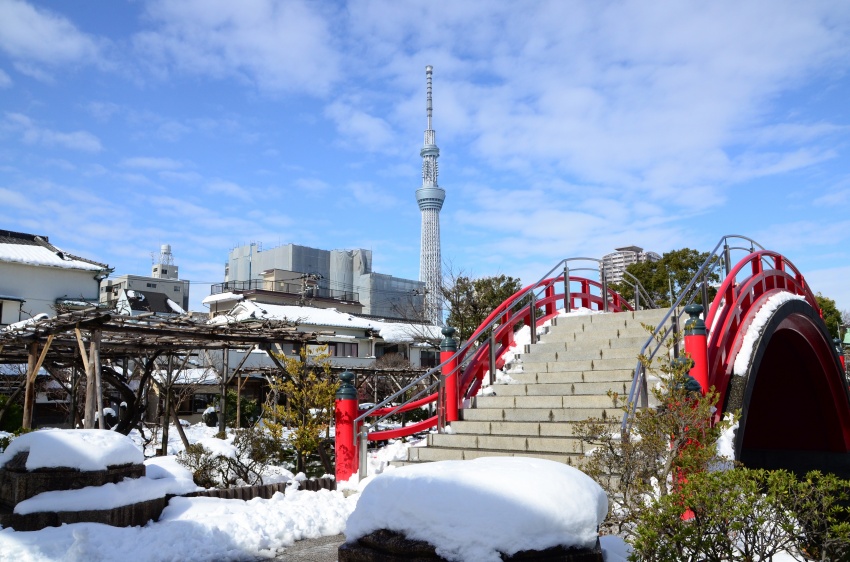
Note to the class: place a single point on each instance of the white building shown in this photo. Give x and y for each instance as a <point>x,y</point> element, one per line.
<point>36,277</point>
<point>616,262</point>
<point>353,341</point>
<point>163,279</point>
<point>341,279</point>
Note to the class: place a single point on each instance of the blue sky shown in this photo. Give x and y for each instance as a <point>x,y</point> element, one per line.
<point>565,128</point>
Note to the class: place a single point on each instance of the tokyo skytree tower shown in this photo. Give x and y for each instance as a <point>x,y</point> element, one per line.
<point>430,198</point>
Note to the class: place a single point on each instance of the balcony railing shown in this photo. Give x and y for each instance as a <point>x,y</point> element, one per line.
<point>287,287</point>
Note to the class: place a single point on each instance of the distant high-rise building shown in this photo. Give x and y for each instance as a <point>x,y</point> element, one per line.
<point>616,262</point>
<point>164,280</point>
<point>430,198</point>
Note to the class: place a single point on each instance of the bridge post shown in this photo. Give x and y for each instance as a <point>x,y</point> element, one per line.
<point>448,348</point>
<point>567,298</point>
<point>345,412</point>
<point>696,345</point>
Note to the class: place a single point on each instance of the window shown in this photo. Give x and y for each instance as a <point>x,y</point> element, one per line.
<point>337,349</point>
<point>164,271</point>
<point>177,288</point>
<point>154,270</point>
<point>151,285</point>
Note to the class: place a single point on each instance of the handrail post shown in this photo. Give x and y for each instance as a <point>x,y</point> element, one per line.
<point>675,320</point>
<point>604,291</point>
<point>637,297</point>
<point>532,317</point>
<point>567,297</point>
<point>727,257</point>
<point>345,412</point>
<point>492,355</point>
<point>448,349</point>
<point>704,297</point>
<point>363,449</point>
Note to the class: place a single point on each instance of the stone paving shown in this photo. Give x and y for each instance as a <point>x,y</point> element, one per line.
<point>323,549</point>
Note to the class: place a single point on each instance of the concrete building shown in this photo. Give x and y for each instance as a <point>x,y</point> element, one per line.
<point>163,279</point>
<point>616,262</point>
<point>299,275</point>
<point>36,277</point>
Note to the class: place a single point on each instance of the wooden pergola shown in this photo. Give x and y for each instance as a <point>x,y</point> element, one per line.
<point>93,336</point>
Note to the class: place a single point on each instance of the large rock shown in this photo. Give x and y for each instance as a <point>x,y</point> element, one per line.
<point>389,546</point>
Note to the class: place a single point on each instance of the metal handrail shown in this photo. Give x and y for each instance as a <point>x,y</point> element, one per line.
<point>661,333</point>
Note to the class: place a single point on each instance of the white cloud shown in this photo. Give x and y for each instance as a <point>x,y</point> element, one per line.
<point>362,130</point>
<point>5,80</point>
<point>33,134</point>
<point>39,36</point>
<point>278,46</point>
<point>229,188</point>
<point>646,97</point>
<point>152,163</point>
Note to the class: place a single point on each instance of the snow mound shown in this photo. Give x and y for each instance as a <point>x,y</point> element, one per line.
<point>83,449</point>
<point>108,496</point>
<point>462,507</point>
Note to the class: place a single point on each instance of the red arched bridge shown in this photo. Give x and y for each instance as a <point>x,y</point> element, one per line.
<point>766,351</point>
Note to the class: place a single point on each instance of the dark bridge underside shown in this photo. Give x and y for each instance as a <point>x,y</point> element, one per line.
<point>794,402</point>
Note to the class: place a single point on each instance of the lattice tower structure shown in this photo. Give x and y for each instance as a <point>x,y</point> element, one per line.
<point>430,198</point>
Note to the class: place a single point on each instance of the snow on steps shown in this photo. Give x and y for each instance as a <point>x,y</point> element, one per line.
<point>562,379</point>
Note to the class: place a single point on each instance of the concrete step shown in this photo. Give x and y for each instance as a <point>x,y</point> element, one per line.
<point>542,414</point>
<point>529,364</point>
<point>563,389</point>
<point>611,319</point>
<point>522,402</point>
<point>513,443</point>
<point>529,376</point>
<point>587,344</point>
<point>532,429</point>
<point>430,454</point>
<point>537,355</point>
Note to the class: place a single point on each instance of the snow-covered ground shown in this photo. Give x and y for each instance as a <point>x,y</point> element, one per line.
<point>206,529</point>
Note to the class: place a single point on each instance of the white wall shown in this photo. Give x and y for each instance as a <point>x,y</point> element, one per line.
<point>41,286</point>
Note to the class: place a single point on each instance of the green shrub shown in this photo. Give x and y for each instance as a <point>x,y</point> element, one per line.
<point>748,516</point>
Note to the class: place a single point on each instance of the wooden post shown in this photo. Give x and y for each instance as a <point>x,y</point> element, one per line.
<point>32,373</point>
<point>223,400</point>
<point>98,383</point>
<point>166,408</point>
<point>29,391</point>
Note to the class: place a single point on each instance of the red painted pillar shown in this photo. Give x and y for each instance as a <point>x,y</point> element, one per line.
<point>550,300</point>
<point>696,345</point>
<point>448,349</point>
<point>585,290</point>
<point>345,412</point>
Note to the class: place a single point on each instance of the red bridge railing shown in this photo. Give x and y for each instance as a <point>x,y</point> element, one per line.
<point>461,373</point>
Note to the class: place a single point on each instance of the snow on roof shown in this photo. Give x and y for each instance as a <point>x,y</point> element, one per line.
<point>222,297</point>
<point>473,510</point>
<point>41,256</point>
<point>84,449</point>
<point>22,325</point>
<point>392,332</point>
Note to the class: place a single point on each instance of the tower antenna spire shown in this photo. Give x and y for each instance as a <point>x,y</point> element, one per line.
<point>430,198</point>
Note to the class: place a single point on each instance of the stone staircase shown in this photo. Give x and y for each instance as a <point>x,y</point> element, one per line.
<point>563,378</point>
